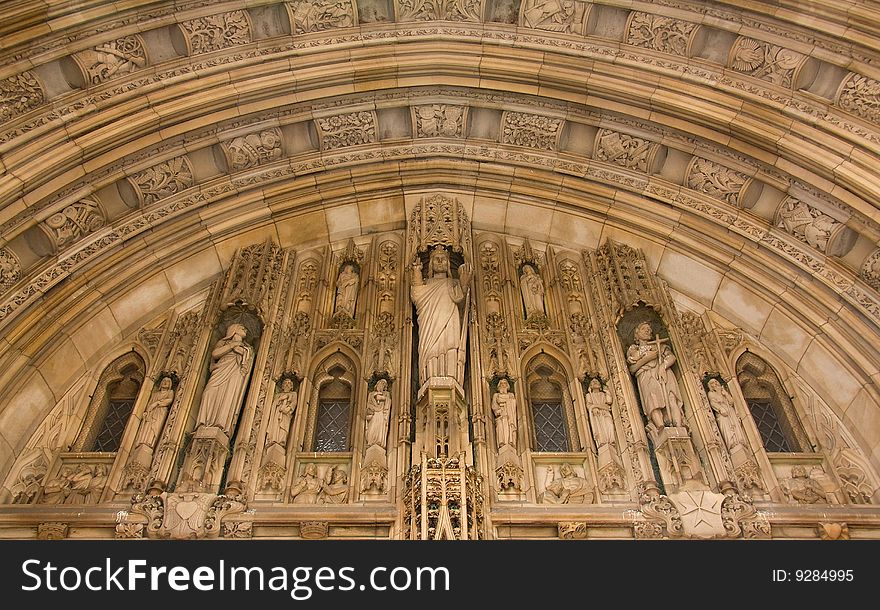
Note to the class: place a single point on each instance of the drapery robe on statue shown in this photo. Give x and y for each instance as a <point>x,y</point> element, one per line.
<point>436,304</point>
<point>658,389</point>
<point>230,368</point>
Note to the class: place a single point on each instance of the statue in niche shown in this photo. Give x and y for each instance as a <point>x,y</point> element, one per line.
<point>599,407</point>
<point>282,408</point>
<point>346,291</point>
<point>504,409</point>
<point>568,488</point>
<point>378,412</point>
<point>725,414</point>
<point>532,288</point>
<point>335,490</point>
<point>802,488</point>
<point>441,332</point>
<point>154,416</point>
<point>651,360</point>
<point>307,487</point>
<point>231,362</point>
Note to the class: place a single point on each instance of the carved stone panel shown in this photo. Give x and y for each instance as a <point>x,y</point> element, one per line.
<point>626,150</point>
<point>555,16</point>
<point>813,227</point>
<point>114,58</point>
<point>870,271</point>
<point>439,120</point>
<point>717,181</point>
<point>10,269</point>
<point>73,222</point>
<point>344,130</point>
<point>438,10</point>
<point>860,95</point>
<point>214,32</point>
<point>19,94</point>
<point>316,15</point>
<point>660,33</point>
<point>253,149</point>
<point>765,61</point>
<point>530,130</point>
<point>162,180</point>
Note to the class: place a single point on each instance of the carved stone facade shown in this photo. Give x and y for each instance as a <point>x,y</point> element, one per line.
<point>436,269</point>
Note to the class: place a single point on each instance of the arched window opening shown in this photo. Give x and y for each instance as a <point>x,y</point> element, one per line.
<point>770,406</point>
<point>112,405</point>
<point>334,412</point>
<point>551,412</point>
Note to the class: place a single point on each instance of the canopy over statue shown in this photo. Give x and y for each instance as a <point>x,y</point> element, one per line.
<point>441,332</point>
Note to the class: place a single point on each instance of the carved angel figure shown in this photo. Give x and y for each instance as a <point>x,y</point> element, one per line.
<point>335,490</point>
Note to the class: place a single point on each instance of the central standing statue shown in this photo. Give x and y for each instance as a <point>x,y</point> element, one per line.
<point>441,332</point>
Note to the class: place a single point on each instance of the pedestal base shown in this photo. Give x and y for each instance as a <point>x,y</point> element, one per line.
<point>679,465</point>
<point>203,466</point>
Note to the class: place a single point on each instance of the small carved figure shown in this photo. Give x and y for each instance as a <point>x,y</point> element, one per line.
<point>801,488</point>
<point>155,413</point>
<point>346,291</point>
<point>569,488</point>
<point>651,362</point>
<point>378,411</point>
<point>504,409</point>
<point>725,414</point>
<point>282,408</point>
<point>601,419</point>
<point>335,490</point>
<point>532,289</point>
<point>307,487</point>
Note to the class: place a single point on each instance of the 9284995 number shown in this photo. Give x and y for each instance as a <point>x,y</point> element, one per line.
<point>824,575</point>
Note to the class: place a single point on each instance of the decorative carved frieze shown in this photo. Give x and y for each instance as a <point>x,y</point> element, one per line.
<point>660,510</point>
<point>10,269</point>
<point>214,32</point>
<point>860,95</point>
<point>253,149</point>
<point>566,17</point>
<point>114,58</point>
<point>448,493</point>
<point>741,519</point>
<point>660,33</point>
<point>344,130</point>
<point>530,130</point>
<point>765,61</point>
<point>439,121</point>
<point>316,15</point>
<point>73,222</point>
<point>182,516</point>
<point>717,181</point>
<point>626,150</point>
<point>162,180</point>
<point>438,10</point>
<point>19,94</point>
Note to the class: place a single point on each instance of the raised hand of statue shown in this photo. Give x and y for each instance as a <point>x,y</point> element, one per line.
<point>416,268</point>
<point>465,271</point>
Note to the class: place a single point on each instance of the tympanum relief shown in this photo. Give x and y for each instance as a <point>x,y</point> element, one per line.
<point>439,372</point>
